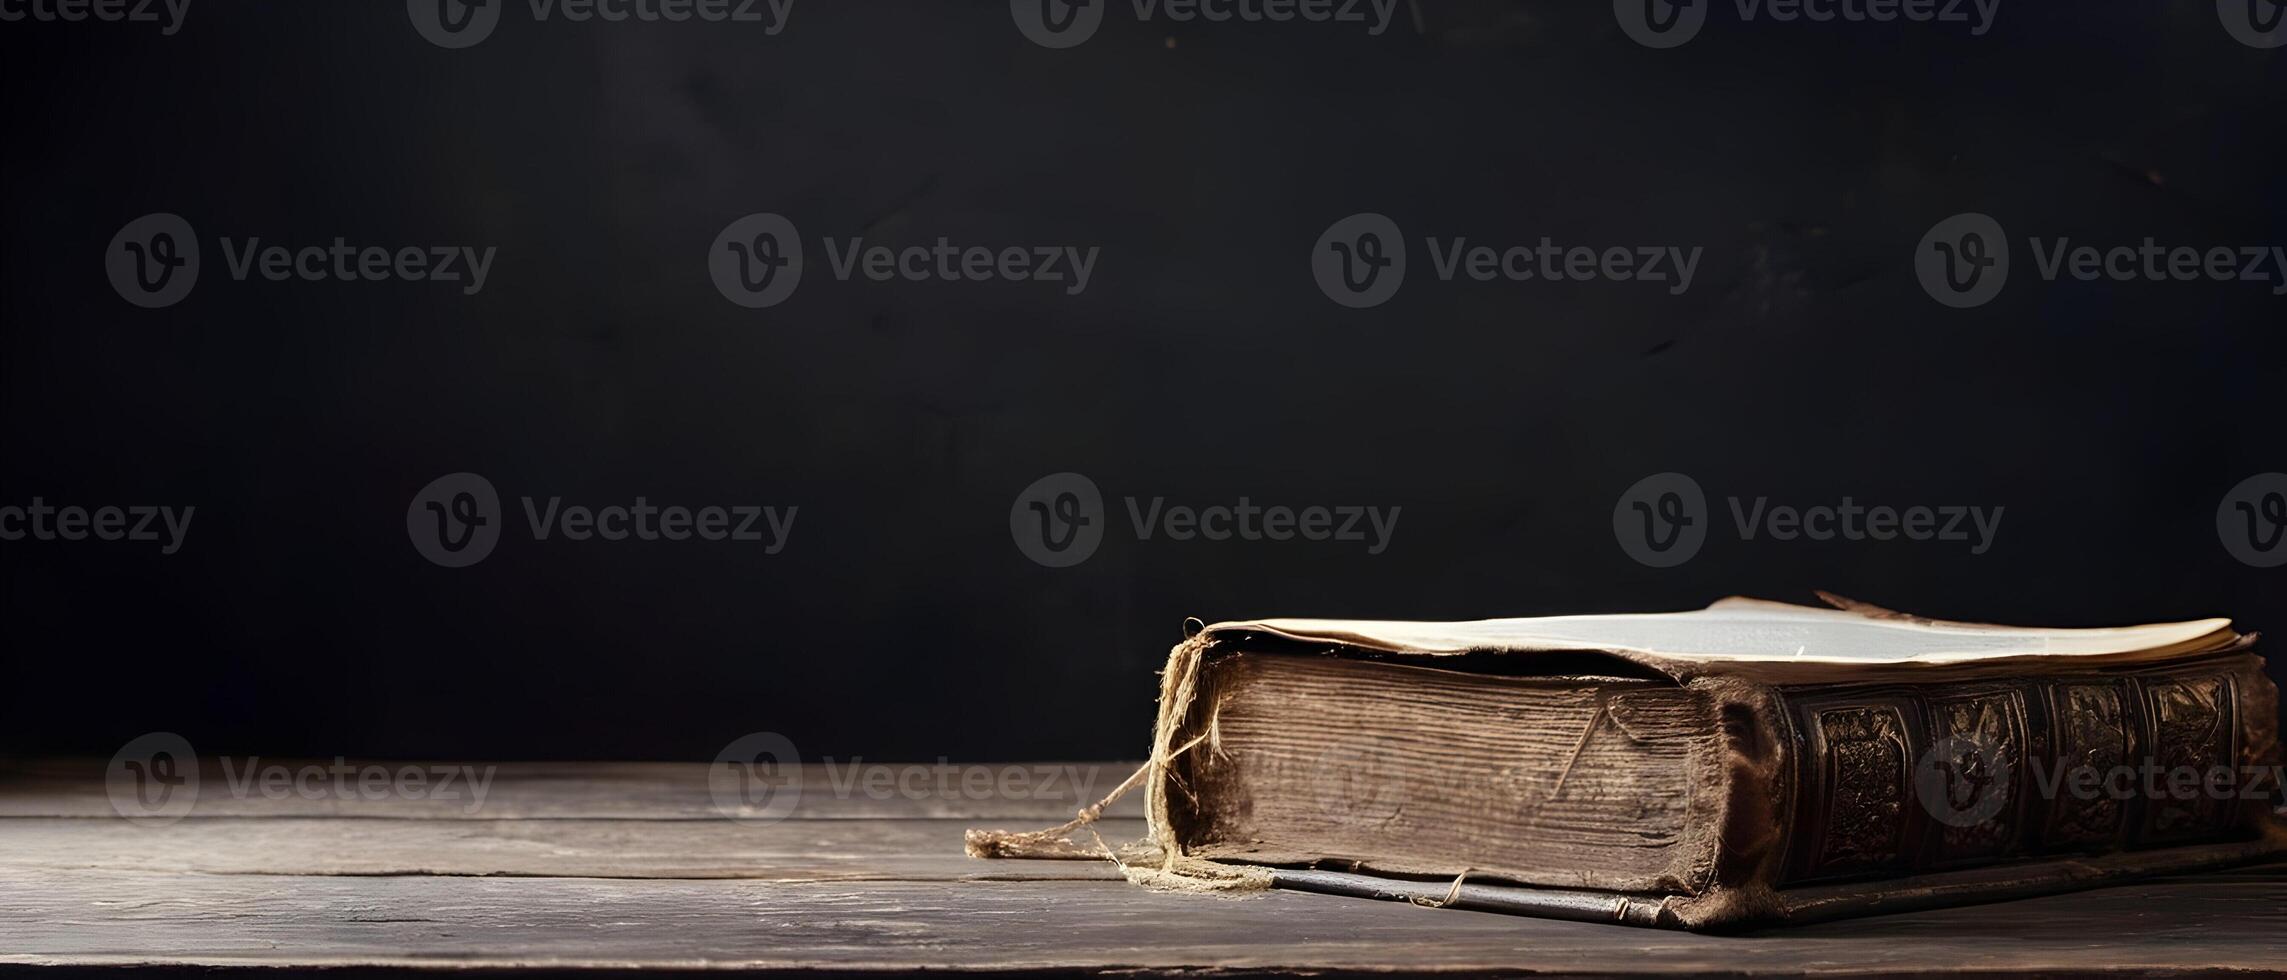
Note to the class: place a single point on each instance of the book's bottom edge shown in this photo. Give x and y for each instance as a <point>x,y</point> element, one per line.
<point>2007,882</point>
<point>1547,903</point>
<point>1793,906</point>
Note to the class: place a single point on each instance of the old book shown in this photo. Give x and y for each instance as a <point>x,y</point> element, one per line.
<point>1751,763</point>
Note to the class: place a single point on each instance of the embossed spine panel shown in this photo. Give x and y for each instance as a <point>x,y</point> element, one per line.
<point>1901,779</point>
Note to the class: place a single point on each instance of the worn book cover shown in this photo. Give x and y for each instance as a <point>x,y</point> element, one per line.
<point>1752,763</point>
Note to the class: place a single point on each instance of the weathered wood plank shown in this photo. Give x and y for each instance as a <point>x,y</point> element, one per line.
<point>123,918</point>
<point>1039,793</point>
<point>661,881</point>
<point>794,850</point>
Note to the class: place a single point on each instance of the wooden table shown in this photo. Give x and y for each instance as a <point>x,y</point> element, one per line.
<point>624,866</point>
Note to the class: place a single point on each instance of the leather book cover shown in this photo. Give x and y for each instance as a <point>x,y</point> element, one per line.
<point>1857,760</point>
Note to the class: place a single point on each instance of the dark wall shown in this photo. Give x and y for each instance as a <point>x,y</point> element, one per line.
<point>599,363</point>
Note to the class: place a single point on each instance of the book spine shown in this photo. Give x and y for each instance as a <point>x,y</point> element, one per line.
<point>1905,779</point>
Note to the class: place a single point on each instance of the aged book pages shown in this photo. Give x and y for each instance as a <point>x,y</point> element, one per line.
<point>1412,770</point>
<point>1740,631</point>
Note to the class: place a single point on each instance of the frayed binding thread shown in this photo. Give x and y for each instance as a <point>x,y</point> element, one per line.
<point>1156,861</point>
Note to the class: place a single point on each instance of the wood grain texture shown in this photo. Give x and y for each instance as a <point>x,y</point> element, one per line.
<point>121,918</point>
<point>1051,792</point>
<point>653,887</point>
<point>793,850</point>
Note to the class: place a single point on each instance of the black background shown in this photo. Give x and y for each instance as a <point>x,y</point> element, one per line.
<point>1202,364</point>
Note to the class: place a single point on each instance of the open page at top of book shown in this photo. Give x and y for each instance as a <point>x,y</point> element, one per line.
<point>1740,630</point>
